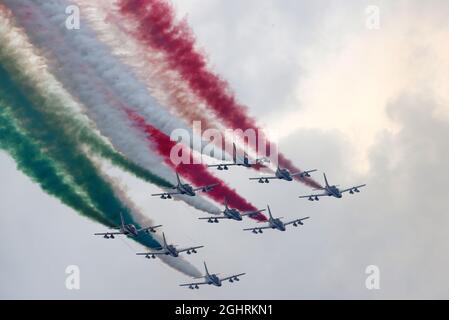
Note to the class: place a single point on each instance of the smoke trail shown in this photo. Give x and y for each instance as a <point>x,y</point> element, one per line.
<point>96,55</point>
<point>63,149</point>
<point>42,170</point>
<point>196,173</point>
<point>151,68</point>
<point>17,55</point>
<point>158,29</point>
<point>85,85</point>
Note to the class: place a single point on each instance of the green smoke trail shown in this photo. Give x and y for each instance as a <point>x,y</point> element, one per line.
<point>56,112</point>
<point>64,148</point>
<point>31,161</point>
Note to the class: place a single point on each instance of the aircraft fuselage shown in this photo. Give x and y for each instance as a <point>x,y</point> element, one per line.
<point>186,189</point>
<point>333,191</point>
<point>284,174</point>
<point>233,214</point>
<point>130,230</point>
<point>277,224</point>
<point>171,250</point>
<point>213,279</point>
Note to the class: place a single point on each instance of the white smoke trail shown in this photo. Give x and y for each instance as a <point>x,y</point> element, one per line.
<point>149,66</point>
<point>152,68</point>
<point>67,64</point>
<point>118,76</point>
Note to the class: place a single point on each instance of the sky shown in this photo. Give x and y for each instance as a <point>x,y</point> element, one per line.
<point>363,105</point>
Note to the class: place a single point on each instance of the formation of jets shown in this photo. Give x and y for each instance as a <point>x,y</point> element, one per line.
<point>130,230</point>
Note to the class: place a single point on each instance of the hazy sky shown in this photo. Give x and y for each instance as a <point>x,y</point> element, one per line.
<point>364,105</point>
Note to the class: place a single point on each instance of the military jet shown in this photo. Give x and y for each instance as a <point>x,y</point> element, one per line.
<point>332,191</point>
<point>284,174</point>
<point>276,223</point>
<point>184,188</point>
<point>212,279</point>
<point>129,230</point>
<point>237,162</point>
<point>229,213</point>
<point>169,250</point>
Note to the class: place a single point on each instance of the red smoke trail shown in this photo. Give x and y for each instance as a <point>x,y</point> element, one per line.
<point>158,29</point>
<point>196,173</point>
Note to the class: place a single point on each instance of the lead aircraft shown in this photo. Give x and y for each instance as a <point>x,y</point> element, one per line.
<point>332,191</point>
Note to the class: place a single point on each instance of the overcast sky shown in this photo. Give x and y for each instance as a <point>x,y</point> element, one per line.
<point>364,105</point>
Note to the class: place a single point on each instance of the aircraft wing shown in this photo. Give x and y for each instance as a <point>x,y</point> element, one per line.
<point>213,217</point>
<point>299,221</point>
<point>251,213</point>
<point>150,228</point>
<point>108,233</point>
<point>263,178</point>
<point>206,188</point>
<point>303,173</point>
<point>189,249</point>
<point>257,228</point>
<point>311,196</point>
<point>233,276</point>
<point>165,193</point>
<point>353,189</point>
<point>221,165</point>
<point>193,284</point>
<point>151,253</point>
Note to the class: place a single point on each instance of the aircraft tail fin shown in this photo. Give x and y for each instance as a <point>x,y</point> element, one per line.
<point>226,202</point>
<point>325,180</point>
<point>269,211</point>
<point>165,241</point>
<point>122,221</point>
<point>234,153</point>
<point>205,267</point>
<point>179,179</point>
